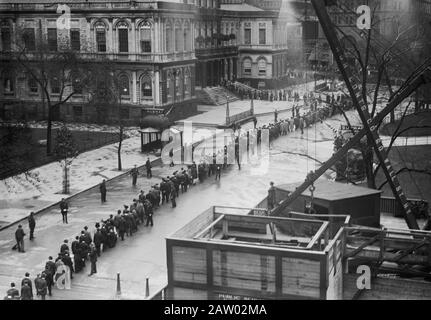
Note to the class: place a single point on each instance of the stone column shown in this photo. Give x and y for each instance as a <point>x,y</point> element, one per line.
<point>134,87</point>
<point>156,88</point>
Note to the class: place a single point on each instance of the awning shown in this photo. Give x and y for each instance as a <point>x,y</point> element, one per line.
<point>149,130</point>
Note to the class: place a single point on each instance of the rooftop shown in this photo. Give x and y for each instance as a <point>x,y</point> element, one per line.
<point>251,227</point>
<point>332,191</point>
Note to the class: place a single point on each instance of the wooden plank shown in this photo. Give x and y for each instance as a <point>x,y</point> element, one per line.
<point>389,243</point>
<point>189,264</point>
<point>280,237</point>
<point>318,235</point>
<point>374,254</point>
<point>209,227</point>
<point>301,277</point>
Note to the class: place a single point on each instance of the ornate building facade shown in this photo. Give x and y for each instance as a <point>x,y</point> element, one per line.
<point>162,52</point>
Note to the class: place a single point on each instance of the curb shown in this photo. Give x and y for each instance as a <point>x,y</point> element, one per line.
<point>74,196</point>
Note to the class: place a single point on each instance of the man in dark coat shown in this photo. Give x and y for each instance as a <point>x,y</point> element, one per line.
<point>13,292</point>
<point>31,225</point>
<point>97,239</point>
<point>75,244</point>
<point>134,173</point>
<point>41,286</point>
<point>102,189</point>
<point>271,196</point>
<point>218,172</point>
<point>68,262</point>
<point>84,249</point>
<point>26,281</point>
<point>122,227</point>
<point>148,167</point>
<point>26,292</point>
<point>149,214</point>
<point>93,259</point>
<point>87,236</point>
<point>64,208</point>
<point>49,271</point>
<point>64,247</point>
<point>19,237</point>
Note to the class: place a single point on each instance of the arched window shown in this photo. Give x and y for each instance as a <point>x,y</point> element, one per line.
<point>261,66</point>
<point>179,43</point>
<point>124,85</point>
<point>146,88</point>
<point>168,37</point>
<point>5,36</point>
<point>100,36</point>
<point>178,85</point>
<point>145,35</point>
<point>187,84</point>
<point>246,66</point>
<point>123,37</point>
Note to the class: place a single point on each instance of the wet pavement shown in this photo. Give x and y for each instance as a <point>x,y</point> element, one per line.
<point>143,255</point>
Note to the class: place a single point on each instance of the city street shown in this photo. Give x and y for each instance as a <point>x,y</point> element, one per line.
<point>143,255</point>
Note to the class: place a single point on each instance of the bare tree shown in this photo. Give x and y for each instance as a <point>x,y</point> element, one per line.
<point>66,151</point>
<point>379,61</point>
<point>106,91</point>
<point>58,71</point>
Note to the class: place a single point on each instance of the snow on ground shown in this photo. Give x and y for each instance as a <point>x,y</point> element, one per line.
<point>87,170</point>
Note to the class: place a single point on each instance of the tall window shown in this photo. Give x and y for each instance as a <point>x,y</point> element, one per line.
<point>29,39</point>
<point>169,88</point>
<point>247,35</point>
<point>101,37</point>
<point>168,38</point>
<point>5,38</point>
<point>76,85</point>
<point>187,37</point>
<point>262,33</point>
<point>247,66</point>
<point>75,40</point>
<point>261,65</point>
<point>55,85</point>
<point>179,44</point>
<point>146,87</point>
<point>124,85</point>
<point>8,85</point>
<point>32,85</point>
<point>178,85</point>
<point>123,38</point>
<point>145,37</point>
<point>52,39</point>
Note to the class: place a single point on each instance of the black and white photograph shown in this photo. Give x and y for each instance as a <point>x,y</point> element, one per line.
<point>237,151</point>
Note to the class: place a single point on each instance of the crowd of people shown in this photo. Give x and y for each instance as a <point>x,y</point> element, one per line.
<point>86,247</point>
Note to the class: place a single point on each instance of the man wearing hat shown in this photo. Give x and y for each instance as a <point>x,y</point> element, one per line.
<point>26,281</point>
<point>41,286</point>
<point>12,292</point>
<point>31,225</point>
<point>148,167</point>
<point>64,207</point>
<point>271,196</point>
<point>19,237</point>
<point>64,247</point>
<point>49,274</point>
<point>134,173</point>
<point>93,259</point>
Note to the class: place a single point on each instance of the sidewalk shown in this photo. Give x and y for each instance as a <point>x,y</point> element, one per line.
<point>143,255</point>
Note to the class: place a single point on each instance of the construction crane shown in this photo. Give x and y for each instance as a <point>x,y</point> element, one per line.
<point>419,77</point>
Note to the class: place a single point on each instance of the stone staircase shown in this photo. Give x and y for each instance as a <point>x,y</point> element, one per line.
<point>215,95</point>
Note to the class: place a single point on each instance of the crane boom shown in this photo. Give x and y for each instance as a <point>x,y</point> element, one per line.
<point>369,125</point>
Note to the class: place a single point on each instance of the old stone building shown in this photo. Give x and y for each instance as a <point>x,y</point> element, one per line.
<point>162,51</point>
